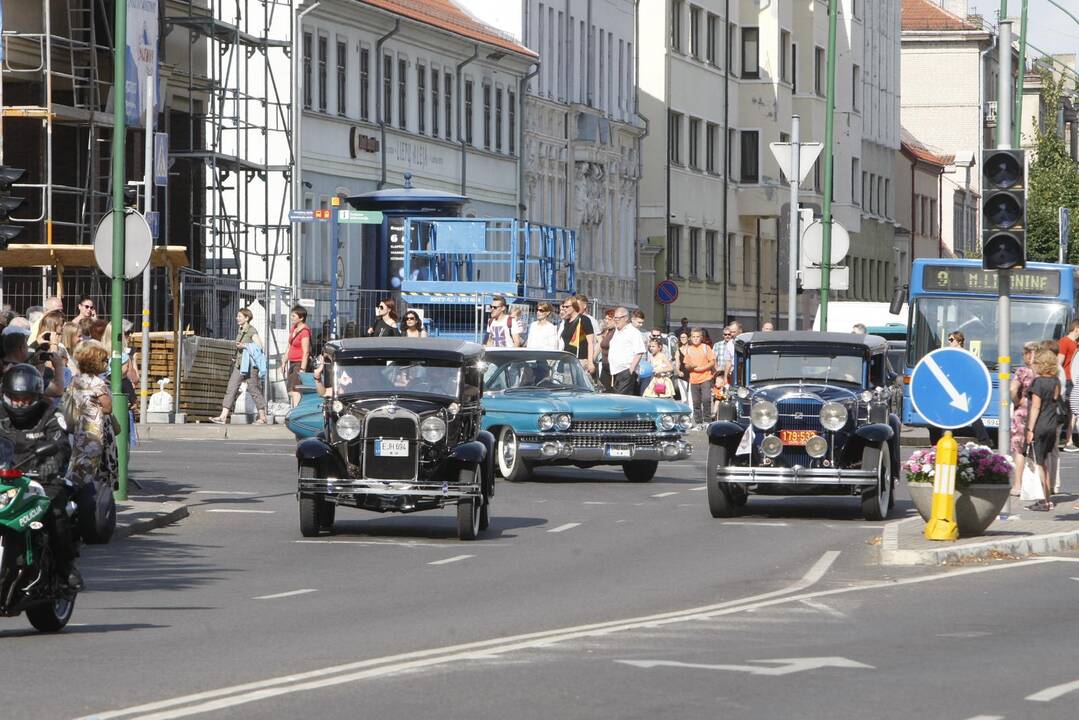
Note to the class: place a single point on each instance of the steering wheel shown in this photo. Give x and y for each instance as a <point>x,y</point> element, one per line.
<point>548,382</point>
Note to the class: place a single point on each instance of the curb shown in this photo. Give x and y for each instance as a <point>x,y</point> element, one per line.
<point>167,514</point>
<point>210,431</point>
<point>1018,546</point>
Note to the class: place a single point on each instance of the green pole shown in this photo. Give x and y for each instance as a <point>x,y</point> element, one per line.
<point>1003,9</point>
<point>116,306</point>
<point>829,136</point>
<point>1017,116</point>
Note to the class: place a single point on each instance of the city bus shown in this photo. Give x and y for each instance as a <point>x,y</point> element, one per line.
<point>947,295</point>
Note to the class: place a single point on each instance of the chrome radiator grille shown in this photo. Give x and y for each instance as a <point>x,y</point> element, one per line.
<point>596,427</point>
<point>399,426</point>
<point>799,414</point>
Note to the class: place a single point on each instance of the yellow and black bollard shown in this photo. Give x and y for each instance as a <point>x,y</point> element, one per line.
<point>941,525</point>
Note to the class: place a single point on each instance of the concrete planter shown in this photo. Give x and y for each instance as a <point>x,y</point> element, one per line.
<point>976,506</point>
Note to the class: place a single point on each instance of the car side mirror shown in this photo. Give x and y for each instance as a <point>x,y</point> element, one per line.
<point>898,298</point>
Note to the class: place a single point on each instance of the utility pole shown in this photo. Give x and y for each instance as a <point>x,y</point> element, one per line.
<point>116,305</point>
<point>1017,137</point>
<point>1004,311</point>
<point>829,132</point>
<point>792,265</point>
<point>147,207</point>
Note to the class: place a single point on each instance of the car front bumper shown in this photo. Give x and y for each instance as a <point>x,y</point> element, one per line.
<point>606,452</point>
<point>796,475</point>
<point>349,486</point>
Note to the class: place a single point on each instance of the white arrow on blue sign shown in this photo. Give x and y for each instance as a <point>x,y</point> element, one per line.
<point>950,388</point>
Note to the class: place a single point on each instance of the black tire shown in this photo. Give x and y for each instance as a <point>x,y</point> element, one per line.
<point>509,464</point>
<point>640,471</point>
<point>485,516</point>
<point>51,616</point>
<point>469,510</point>
<point>315,513</point>
<point>877,501</point>
<point>96,514</point>
<point>721,501</point>
<point>326,513</point>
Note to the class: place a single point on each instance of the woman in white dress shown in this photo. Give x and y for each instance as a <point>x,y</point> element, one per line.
<point>542,333</point>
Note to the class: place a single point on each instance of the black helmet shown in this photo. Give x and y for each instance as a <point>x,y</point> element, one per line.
<point>23,390</point>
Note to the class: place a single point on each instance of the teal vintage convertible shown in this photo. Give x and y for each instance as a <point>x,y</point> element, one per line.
<point>544,409</point>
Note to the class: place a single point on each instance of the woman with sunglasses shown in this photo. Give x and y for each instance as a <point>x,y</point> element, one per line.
<point>385,324</point>
<point>542,333</point>
<point>414,325</point>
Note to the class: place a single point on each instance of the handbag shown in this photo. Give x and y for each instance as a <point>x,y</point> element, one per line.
<point>69,408</point>
<point>644,368</point>
<point>659,387</point>
<point>1032,490</point>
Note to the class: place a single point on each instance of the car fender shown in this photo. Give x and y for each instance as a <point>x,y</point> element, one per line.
<point>473,451</point>
<point>875,433</point>
<point>314,452</point>
<point>725,432</point>
<point>872,435</point>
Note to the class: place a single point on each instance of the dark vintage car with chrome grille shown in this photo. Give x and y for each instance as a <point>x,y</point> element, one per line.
<point>808,413</point>
<point>401,432</point>
<point>543,409</point>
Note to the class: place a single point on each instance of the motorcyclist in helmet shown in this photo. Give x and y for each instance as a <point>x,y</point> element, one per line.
<point>28,420</point>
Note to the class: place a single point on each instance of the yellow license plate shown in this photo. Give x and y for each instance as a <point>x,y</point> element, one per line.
<point>795,437</point>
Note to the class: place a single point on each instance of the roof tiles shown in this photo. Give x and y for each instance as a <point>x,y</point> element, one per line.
<point>448,15</point>
<point>926,15</point>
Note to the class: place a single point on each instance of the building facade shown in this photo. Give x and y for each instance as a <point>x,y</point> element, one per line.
<point>391,87</point>
<point>919,178</point>
<point>717,90</point>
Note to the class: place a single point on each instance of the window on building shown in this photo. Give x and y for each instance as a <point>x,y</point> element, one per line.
<point>695,34</point>
<point>749,151</point>
<point>784,55</point>
<point>711,242</point>
<point>387,89</point>
<point>342,67</point>
<point>711,148</point>
<point>794,68</point>
<point>674,132</point>
<point>748,261</point>
<point>887,198</point>
<point>751,41</point>
<point>487,117</point>
<point>732,42</point>
<point>468,111</point>
<point>783,138</point>
<point>865,188</point>
<point>323,50</point>
<point>365,84</point>
<point>694,252</point>
<point>674,250</point>
<point>732,145</point>
<point>694,143</point>
<point>447,84</point>
<point>872,193</point>
<point>511,101</point>
<point>855,175</point>
<point>926,227</point>
<point>856,88</point>
<point>601,101</point>
<point>542,47</point>
<point>435,101</point>
<point>676,25</point>
<point>307,88</point>
<point>402,93</point>
<point>731,260</point>
<point>711,53</point>
<point>820,68</point>
<point>421,99</point>
<point>818,175</point>
<point>498,120</point>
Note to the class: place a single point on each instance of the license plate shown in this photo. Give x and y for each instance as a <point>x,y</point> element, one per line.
<point>991,422</point>
<point>795,437</point>
<point>619,451</point>
<point>391,448</point>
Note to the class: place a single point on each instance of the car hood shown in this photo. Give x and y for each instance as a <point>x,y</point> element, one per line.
<point>581,404</point>
<point>824,393</point>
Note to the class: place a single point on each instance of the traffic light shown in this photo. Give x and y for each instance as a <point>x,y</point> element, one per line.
<point>8,204</point>
<point>1004,210</point>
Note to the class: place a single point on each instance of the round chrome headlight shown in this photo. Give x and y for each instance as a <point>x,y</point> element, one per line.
<point>771,446</point>
<point>833,416</point>
<point>816,447</point>
<point>685,420</point>
<point>348,427</point>
<point>433,429</point>
<point>546,422</point>
<point>666,421</point>
<point>866,396</point>
<point>338,407</point>
<point>742,393</point>
<point>764,414</point>
<point>562,422</point>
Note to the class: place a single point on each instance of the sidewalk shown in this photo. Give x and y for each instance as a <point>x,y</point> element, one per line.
<point>211,431</point>
<point>1027,532</point>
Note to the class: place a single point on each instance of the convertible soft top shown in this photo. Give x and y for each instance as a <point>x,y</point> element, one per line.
<point>404,348</point>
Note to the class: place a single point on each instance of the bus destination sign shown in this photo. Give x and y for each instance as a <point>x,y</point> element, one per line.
<point>946,278</point>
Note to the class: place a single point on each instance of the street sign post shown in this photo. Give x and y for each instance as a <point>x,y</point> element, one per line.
<point>950,388</point>
<point>360,217</point>
<point>666,291</point>
<point>301,215</point>
<point>138,243</point>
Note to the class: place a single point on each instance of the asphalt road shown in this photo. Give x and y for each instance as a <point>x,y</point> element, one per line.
<point>589,597</point>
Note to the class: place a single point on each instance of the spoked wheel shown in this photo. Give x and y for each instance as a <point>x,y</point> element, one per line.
<point>510,464</point>
<point>51,616</point>
<point>877,501</point>
<point>470,511</point>
<point>316,514</point>
<point>722,502</point>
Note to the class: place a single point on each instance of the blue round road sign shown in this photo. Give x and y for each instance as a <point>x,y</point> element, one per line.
<point>950,388</point>
<point>666,291</point>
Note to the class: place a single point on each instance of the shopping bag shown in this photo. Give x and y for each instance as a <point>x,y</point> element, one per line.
<point>1032,484</point>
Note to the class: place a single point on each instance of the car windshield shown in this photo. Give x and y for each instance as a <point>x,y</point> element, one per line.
<point>935,318</point>
<point>559,372</point>
<point>377,376</point>
<point>775,364</point>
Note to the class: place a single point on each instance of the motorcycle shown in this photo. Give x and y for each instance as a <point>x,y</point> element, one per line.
<point>29,579</point>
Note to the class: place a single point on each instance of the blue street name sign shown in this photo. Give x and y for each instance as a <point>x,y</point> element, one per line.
<point>301,215</point>
<point>950,388</point>
<point>666,291</point>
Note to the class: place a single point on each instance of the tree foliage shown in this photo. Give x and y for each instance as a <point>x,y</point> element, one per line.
<point>1054,183</point>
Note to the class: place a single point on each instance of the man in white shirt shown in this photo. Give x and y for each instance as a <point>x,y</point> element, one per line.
<point>624,354</point>
<point>502,330</point>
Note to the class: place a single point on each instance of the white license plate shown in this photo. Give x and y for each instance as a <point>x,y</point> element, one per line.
<point>619,451</point>
<point>391,448</point>
<point>991,422</point>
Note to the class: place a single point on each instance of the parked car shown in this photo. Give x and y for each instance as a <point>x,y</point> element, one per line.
<point>544,409</point>
<point>810,413</point>
<point>400,432</point>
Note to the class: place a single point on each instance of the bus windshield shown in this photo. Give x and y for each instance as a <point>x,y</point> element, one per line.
<point>933,318</point>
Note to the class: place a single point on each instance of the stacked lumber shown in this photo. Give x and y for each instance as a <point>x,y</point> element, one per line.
<point>204,373</point>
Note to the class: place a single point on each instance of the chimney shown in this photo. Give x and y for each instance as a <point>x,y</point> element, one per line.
<point>956,7</point>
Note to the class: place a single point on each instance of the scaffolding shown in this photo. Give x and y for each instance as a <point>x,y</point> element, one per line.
<point>225,110</point>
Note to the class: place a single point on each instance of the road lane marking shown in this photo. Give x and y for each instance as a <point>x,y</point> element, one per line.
<point>563,528</point>
<point>447,561</point>
<point>595,502</point>
<point>760,524</point>
<point>783,666</point>
<point>987,717</point>
<point>826,609</point>
<point>290,593</point>
<point>699,487</point>
<point>398,543</point>
<point>237,511</point>
<point>664,494</point>
<point>154,452</point>
<point>222,492</point>
<point>268,453</point>
<point>1052,693</point>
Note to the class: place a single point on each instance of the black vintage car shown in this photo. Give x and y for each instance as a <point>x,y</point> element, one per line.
<point>809,413</point>
<point>402,433</point>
